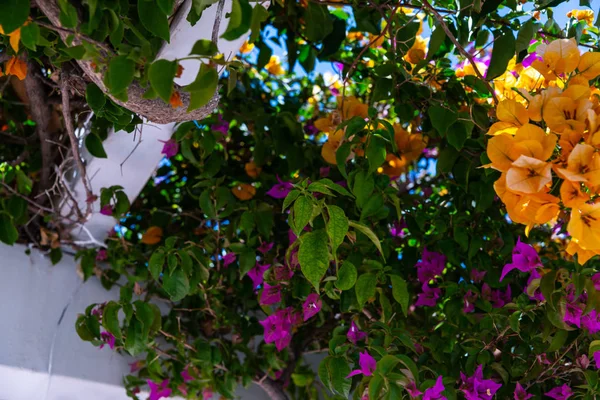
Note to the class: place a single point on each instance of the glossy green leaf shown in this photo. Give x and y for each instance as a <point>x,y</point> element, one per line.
<point>313,256</point>
<point>176,285</point>
<point>400,292</point>
<point>346,276</point>
<point>14,14</point>
<point>366,285</point>
<point>502,53</point>
<point>110,319</point>
<point>154,19</point>
<point>337,226</point>
<point>161,75</point>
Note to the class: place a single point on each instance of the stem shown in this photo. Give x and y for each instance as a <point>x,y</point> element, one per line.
<point>274,391</point>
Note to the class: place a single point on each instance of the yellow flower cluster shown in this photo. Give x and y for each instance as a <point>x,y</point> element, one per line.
<point>552,138</point>
<point>409,145</point>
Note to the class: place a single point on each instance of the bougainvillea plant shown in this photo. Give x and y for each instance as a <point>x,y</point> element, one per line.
<point>406,190</point>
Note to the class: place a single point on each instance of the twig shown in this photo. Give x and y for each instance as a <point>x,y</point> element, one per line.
<point>64,182</point>
<point>460,49</point>
<point>215,31</point>
<point>92,240</point>
<point>66,110</point>
<point>187,346</point>
<point>33,203</point>
<point>76,35</point>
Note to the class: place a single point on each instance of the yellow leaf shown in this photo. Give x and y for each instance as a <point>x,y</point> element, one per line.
<point>153,235</point>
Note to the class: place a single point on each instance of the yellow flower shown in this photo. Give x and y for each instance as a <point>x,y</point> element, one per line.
<point>571,194</point>
<point>583,255</point>
<point>589,66</point>
<point>417,52</point>
<point>274,66</point>
<point>538,103</point>
<point>512,115</point>
<point>246,47</point>
<point>14,37</point>
<point>352,36</point>
<point>582,15</point>
<point>568,112</point>
<point>559,57</point>
<point>331,145</point>
<point>468,69</point>
<point>528,175</point>
<point>584,225</point>
<point>583,165</point>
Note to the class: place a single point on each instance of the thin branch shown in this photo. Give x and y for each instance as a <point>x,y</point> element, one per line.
<point>92,239</point>
<point>460,49</point>
<point>33,203</point>
<point>66,110</point>
<point>77,35</point>
<point>215,31</point>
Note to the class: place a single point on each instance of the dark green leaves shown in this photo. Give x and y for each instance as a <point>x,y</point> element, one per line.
<point>259,15</point>
<point>204,47</point>
<point>504,50</point>
<point>333,372</point>
<point>8,232</point>
<point>94,145</point>
<point>203,88</point>
<point>110,319</point>
<point>365,288</point>
<point>337,226</point>
<point>120,73</point>
<point>525,35</point>
<point>368,233</point>
<point>303,209</point>
<point>240,19</point>
<point>161,75</point>
<point>375,153</point>
<point>13,14</point>
<point>30,35</point>
<point>318,23</point>
<point>314,256</point>
<point>68,14</point>
<point>154,19</point>
<point>346,276</point>
<point>400,292</point>
<point>95,97</point>
<point>441,118</point>
<point>176,285</point>
<point>156,263</point>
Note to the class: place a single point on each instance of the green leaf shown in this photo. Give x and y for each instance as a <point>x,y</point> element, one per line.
<point>365,288</point>
<point>558,341</point>
<point>14,14</point>
<point>303,210</point>
<point>335,187</point>
<point>93,144</point>
<point>240,19</point>
<point>259,15</point>
<point>435,42</point>
<point>110,319</point>
<point>247,261</point>
<point>161,75</point>
<point>203,88</point>
<point>341,155</point>
<point>547,286</point>
<point>68,14</point>
<point>503,51</point>
<point>204,47</point>
<point>346,276</point>
<point>387,364</point>
<point>166,6</point>
<point>289,199</point>
<point>318,23</point>
<point>337,226</point>
<point>375,153</point>
<point>441,118</point>
<point>82,329</point>
<point>120,73</point>
<point>24,183</point>
<point>176,285</point>
<point>156,263</point>
<point>332,372</point>
<point>55,255</point>
<point>457,135</point>
<point>368,233</point>
<point>95,97</point>
<point>198,6</point>
<point>8,232</point>
<point>92,4</point>
<point>313,256</point>
<point>525,35</point>
<point>145,314</point>
<point>363,187</point>
<point>446,160</point>
<point>134,343</point>
<point>30,34</point>
<point>154,19</point>
<point>400,292</point>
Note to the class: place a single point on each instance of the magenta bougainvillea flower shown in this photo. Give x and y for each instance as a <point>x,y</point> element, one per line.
<point>220,126</point>
<point>591,322</point>
<point>477,276</point>
<point>280,190</point>
<point>573,313</point>
<point>106,210</point>
<point>520,393</point>
<point>582,361</point>
<point>228,259</point>
<point>159,391</point>
<point>311,306</point>
<point>354,334</point>
<point>207,394</point>
<point>597,359</point>
<point>524,258</point>
<point>170,148</point>
<point>476,387</point>
<point>432,264</point>
<point>397,229</point>
<point>496,296</point>
<point>256,274</point>
<point>435,392</point>
<point>412,390</point>
<point>102,255</point>
<point>278,327</point>
<point>560,392</point>
<point>109,339</point>
<point>186,375</point>
<point>367,365</point>
<point>283,273</point>
<point>270,295</point>
<point>469,301</point>
<point>428,297</point>
<point>265,247</point>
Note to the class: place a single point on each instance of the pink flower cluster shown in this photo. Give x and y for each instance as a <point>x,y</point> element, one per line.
<point>430,267</point>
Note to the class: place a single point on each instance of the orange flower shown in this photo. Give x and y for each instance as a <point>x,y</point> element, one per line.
<point>582,15</point>
<point>589,65</point>
<point>16,67</point>
<point>583,255</point>
<point>571,194</point>
<point>583,165</point>
<point>331,145</point>
<point>246,47</point>
<point>512,115</point>
<point>14,38</point>
<point>274,66</point>
<point>584,226</point>
<point>252,169</point>
<point>560,56</point>
<point>179,71</point>
<point>528,175</point>
<point>152,236</point>
<point>244,191</point>
<point>175,100</point>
